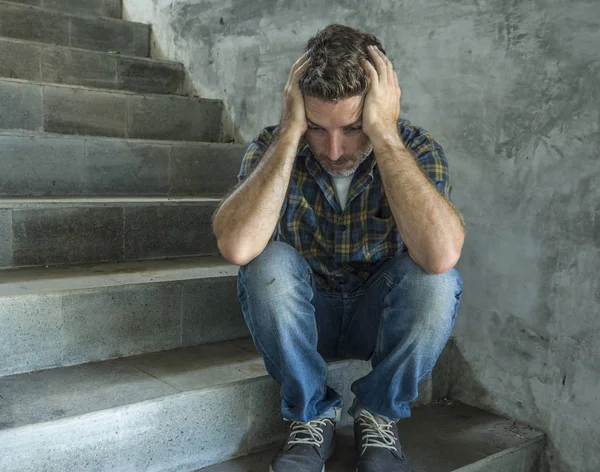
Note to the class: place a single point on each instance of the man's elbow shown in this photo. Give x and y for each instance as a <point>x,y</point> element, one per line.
<point>445,263</point>
<point>233,253</point>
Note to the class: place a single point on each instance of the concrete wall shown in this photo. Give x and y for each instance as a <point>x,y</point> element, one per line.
<point>511,89</point>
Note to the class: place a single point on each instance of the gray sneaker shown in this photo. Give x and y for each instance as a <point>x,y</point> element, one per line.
<point>377,445</point>
<point>306,448</point>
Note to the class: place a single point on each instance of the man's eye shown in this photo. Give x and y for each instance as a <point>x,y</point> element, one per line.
<point>353,130</point>
<point>312,128</point>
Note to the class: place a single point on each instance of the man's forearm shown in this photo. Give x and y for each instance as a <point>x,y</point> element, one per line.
<point>428,223</point>
<point>246,220</point>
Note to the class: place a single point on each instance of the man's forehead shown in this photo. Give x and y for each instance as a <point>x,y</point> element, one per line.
<point>349,123</point>
<point>346,112</point>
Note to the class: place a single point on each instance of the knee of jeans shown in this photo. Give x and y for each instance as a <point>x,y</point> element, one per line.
<point>404,266</point>
<point>434,298</point>
<point>276,266</point>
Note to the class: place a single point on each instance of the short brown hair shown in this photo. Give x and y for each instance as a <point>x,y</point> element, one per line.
<point>334,71</point>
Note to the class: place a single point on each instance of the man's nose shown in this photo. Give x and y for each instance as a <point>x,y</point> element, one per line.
<point>334,151</point>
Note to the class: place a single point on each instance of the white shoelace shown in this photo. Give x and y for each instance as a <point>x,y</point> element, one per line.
<point>312,432</point>
<point>376,434</point>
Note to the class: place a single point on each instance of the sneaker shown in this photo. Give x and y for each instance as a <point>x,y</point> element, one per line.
<point>377,445</point>
<point>306,448</point>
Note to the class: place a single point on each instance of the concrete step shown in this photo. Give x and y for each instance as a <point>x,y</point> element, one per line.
<point>445,436</point>
<point>108,8</point>
<point>76,314</point>
<point>60,26</point>
<point>46,232</point>
<point>29,60</point>
<point>69,109</point>
<point>61,166</point>
<point>176,410</point>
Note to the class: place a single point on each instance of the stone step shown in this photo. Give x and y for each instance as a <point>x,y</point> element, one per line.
<point>108,8</point>
<point>46,232</point>
<point>61,166</point>
<point>33,23</point>
<point>69,109</point>
<point>174,410</point>
<point>29,60</point>
<point>445,436</point>
<point>76,314</point>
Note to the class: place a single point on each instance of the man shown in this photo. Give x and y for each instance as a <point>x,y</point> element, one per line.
<point>347,240</point>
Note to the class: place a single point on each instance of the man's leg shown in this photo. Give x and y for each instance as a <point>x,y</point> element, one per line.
<point>401,320</point>
<point>278,298</point>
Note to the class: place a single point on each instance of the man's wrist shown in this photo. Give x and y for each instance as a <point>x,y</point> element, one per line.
<point>386,140</point>
<point>290,133</point>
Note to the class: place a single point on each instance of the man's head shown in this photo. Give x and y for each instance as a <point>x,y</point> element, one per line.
<point>334,86</point>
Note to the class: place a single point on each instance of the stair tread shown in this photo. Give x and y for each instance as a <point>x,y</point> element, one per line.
<point>10,202</point>
<point>108,91</point>
<point>160,142</point>
<point>60,12</point>
<point>442,437</point>
<point>37,280</point>
<point>65,392</point>
<point>91,51</point>
<point>97,8</point>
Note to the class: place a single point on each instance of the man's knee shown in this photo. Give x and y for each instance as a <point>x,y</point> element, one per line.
<point>275,265</point>
<point>276,286</point>
<point>404,270</point>
<point>432,298</point>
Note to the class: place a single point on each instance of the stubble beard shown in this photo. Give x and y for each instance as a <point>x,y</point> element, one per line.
<point>345,172</point>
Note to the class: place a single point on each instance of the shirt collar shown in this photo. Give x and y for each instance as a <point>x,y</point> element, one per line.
<point>362,178</point>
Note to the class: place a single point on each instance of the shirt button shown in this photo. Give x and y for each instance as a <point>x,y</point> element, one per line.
<point>343,228</point>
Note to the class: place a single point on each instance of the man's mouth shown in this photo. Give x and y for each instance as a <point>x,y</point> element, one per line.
<point>337,163</point>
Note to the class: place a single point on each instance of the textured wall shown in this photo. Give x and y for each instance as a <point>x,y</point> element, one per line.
<point>511,89</point>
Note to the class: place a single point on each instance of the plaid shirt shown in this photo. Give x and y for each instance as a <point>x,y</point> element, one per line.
<point>343,247</point>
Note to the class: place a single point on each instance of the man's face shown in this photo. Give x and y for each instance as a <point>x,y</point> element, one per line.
<point>335,135</point>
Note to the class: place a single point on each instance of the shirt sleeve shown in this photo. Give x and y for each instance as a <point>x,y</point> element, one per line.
<point>430,155</point>
<point>256,149</point>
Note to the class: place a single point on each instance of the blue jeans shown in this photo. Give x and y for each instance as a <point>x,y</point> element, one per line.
<point>400,319</point>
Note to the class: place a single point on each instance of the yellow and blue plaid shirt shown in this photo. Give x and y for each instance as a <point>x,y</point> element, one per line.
<point>343,247</point>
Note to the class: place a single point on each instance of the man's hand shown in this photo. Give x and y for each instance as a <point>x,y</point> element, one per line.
<point>293,116</point>
<point>381,109</point>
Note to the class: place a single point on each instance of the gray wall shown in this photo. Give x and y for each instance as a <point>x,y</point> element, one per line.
<point>512,91</point>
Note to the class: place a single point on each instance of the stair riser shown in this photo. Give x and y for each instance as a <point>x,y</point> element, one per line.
<point>78,166</point>
<point>108,8</point>
<point>72,110</point>
<point>67,328</point>
<point>54,27</point>
<point>59,234</point>
<point>61,65</point>
<point>181,432</point>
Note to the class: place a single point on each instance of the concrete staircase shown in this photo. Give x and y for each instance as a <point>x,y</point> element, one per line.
<point>122,345</point>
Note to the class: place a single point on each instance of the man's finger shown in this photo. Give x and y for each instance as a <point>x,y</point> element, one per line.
<point>380,66</point>
<point>370,71</point>
<point>303,66</point>
<point>299,67</point>
<point>392,75</point>
<point>300,61</point>
<point>298,72</point>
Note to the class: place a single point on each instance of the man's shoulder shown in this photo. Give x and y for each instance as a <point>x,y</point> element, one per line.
<point>417,139</point>
<point>265,136</point>
<point>410,131</point>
